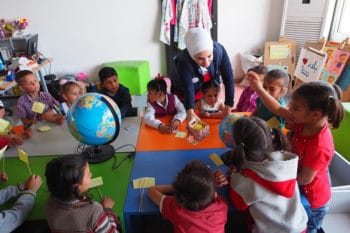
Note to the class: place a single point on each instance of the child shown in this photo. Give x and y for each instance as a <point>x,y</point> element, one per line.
<point>11,139</point>
<point>276,84</point>
<point>70,91</point>
<point>247,100</point>
<point>27,81</point>
<point>161,103</point>
<point>112,88</point>
<point>210,106</point>
<point>12,218</point>
<point>68,209</point>
<point>195,206</point>
<point>313,105</point>
<point>263,178</point>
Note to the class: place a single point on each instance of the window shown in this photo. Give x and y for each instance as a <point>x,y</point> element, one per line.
<point>341,21</point>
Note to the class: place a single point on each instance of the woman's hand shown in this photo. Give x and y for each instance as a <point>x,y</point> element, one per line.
<point>191,116</point>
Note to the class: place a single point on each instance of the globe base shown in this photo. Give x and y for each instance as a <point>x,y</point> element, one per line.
<point>98,154</point>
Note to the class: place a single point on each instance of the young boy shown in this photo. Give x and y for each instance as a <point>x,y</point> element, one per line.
<point>195,206</point>
<point>161,103</point>
<point>276,84</point>
<point>247,100</point>
<point>111,87</point>
<point>27,82</point>
<point>12,218</point>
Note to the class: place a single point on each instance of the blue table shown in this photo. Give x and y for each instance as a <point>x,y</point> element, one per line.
<point>163,166</point>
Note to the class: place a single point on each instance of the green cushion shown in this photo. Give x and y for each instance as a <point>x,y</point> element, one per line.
<point>342,134</point>
<point>132,74</point>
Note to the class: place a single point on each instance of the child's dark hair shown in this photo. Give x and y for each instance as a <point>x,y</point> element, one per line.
<point>194,187</point>
<point>277,74</point>
<point>254,141</point>
<point>21,74</point>
<point>322,96</point>
<point>66,86</point>
<point>157,84</point>
<point>259,69</point>
<point>212,84</point>
<point>63,176</point>
<point>106,72</point>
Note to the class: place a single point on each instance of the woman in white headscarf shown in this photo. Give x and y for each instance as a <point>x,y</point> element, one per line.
<point>202,60</point>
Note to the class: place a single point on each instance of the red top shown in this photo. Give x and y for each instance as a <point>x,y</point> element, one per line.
<point>211,219</point>
<point>315,152</point>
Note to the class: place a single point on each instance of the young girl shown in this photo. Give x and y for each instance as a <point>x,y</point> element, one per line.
<point>195,205</point>
<point>210,105</point>
<point>276,84</point>
<point>313,105</point>
<point>247,100</point>
<point>69,209</point>
<point>160,103</point>
<point>263,178</point>
<point>70,91</point>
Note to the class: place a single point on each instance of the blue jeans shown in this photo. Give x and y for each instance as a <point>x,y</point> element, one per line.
<point>315,217</point>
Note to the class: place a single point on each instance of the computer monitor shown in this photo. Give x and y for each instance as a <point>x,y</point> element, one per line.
<point>32,46</point>
<point>25,46</point>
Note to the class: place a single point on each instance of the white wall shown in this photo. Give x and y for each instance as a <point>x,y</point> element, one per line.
<point>82,34</point>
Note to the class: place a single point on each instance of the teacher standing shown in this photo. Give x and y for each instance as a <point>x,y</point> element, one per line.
<point>202,60</point>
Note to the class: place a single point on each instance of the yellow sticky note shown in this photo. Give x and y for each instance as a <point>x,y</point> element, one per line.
<point>144,182</point>
<point>2,151</point>
<point>97,181</point>
<point>23,155</point>
<point>216,159</point>
<point>5,126</point>
<point>38,107</point>
<point>44,128</point>
<point>273,123</point>
<point>280,51</point>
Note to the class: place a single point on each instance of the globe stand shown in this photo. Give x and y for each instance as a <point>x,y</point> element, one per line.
<point>98,154</point>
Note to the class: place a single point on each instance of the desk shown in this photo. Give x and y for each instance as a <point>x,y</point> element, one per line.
<point>151,139</point>
<point>59,141</point>
<point>38,71</point>
<point>163,165</point>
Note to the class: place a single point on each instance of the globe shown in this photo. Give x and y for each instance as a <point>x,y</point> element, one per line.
<point>94,119</point>
<point>225,129</point>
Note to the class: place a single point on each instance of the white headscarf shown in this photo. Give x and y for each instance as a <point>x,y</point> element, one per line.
<point>198,40</point>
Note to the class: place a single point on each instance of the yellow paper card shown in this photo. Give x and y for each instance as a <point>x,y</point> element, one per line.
<point>38,107</point>
<point>280,51</point>
<point>44,128</point>
<point>216,159</point>
<point>5,126</point>
<point>2,151</point>
<point>97,181</point>
<point>23,156</point>
<point>273,123</point>
<point>144,182</point>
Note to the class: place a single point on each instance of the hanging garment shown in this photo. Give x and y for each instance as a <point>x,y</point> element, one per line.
<point>167,17</point>
<point>194,13</point>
